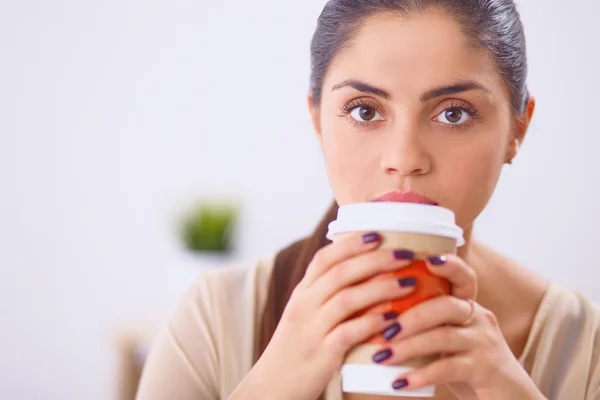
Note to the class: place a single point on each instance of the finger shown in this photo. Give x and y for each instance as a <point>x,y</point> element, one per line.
<point>442,371</point>
<point>350,301</point>
<point>462,277</point>
<point>442,310</point>
<point>355,331</point>
<point>446,339</point>
<point>346,247</point>
<point>358,269</point>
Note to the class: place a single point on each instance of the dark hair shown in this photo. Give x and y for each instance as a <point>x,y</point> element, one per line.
<point>494,25</point>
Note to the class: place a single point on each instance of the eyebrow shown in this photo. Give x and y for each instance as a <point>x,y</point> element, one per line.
<point>425,97</point>
<point>453,89</point>
<point>362,87</point>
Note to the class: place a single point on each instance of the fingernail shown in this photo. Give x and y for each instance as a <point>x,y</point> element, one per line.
<point>438,260</point>
<point>371,237</point>
<point>392,331</point>
<point>390,315</point>
<point>399,384</point>
<point>382,355</point>
<point>407,282</point>
<point>404,254</point>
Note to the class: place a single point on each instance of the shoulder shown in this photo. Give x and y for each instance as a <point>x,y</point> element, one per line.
<point>214,323</point>
<point>566,314</point>
<point>234,273</point>
<point>565,342</point>
<point>572,312</point>
<point>219,287</point>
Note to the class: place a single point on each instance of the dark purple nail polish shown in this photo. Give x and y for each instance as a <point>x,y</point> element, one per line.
<point>390,315</point>
<point>438,260</point>
<point>392,331</point>
<point>382,355</point>
<point>371,237</point>
<point>407,282</point>
<point>404,254</point>
<point>399,384</point>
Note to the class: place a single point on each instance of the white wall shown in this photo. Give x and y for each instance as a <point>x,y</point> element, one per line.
<point>115,114</point>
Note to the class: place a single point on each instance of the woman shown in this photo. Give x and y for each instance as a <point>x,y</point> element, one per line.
<point>420,100</point>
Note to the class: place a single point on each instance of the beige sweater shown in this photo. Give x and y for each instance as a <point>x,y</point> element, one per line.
<point>206,349</point>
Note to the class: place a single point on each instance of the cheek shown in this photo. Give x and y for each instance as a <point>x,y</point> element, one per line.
<point>473,181</point>
<point>349,160</point>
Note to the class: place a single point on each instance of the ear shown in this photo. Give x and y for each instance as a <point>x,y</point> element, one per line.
<point>315,114</point>
<point>521,127</point>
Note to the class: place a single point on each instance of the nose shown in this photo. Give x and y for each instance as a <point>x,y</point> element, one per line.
<point>405,153</point>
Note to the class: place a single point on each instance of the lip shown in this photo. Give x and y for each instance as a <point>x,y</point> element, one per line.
<point>398,196</point>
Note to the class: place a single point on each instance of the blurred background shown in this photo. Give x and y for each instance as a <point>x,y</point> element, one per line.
<point>118,116</point>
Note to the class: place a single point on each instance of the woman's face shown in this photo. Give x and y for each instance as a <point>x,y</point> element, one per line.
<point>411,106</point>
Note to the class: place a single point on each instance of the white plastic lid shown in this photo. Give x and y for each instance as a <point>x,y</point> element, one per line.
<point>396,217</point>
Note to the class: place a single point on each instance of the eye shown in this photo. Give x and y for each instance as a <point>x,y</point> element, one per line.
<point>453,116</point>
<point>365,114</point>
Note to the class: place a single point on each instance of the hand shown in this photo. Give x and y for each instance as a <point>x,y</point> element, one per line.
<point>319,324</point>
<point>476,361</point>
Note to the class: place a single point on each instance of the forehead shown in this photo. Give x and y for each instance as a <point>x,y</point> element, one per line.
<point>411,54</point>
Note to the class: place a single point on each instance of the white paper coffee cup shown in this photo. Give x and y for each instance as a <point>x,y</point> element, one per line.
<point>424,229</point>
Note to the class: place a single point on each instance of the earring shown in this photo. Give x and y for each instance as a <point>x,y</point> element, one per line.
<point>509,162</point>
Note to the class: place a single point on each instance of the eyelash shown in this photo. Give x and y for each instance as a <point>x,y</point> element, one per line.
<point>468,108</point>
<point>356,103</point>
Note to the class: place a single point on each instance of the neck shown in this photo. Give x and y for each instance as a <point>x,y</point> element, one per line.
<point>489,277</point>
<point>465,250</point>
<point>498,275</point>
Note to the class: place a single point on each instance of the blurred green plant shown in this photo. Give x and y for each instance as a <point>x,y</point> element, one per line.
<point>208,226</point>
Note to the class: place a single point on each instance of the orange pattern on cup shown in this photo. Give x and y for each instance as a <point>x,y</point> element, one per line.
<point>428,287</point>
